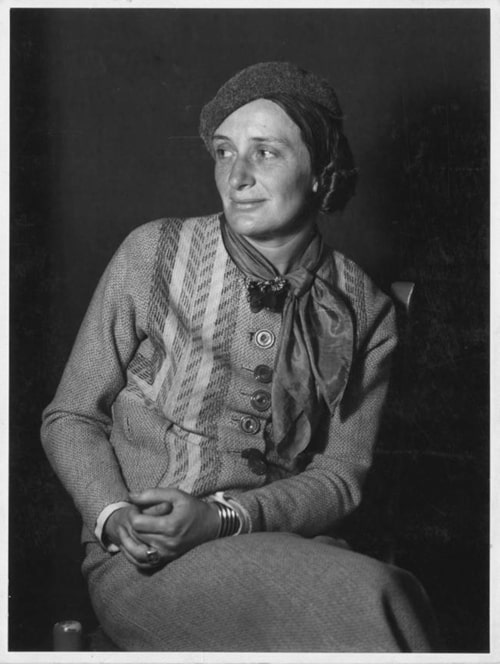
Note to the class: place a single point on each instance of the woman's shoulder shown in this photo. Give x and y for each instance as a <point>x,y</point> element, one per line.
<point>150,232</point>
<point>368,301</point>
<point>354,281</point>
<point>145,242</point>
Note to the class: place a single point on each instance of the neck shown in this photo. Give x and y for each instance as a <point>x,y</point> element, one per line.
<point>283,252</point>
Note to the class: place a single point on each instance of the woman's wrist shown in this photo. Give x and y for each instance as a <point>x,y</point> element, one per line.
<point>110,529</point>
<point>214,520</point>
<point>242,515</point>
<point>229,521</point>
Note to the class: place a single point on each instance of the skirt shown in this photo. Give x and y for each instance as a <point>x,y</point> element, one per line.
<point>262,592</point>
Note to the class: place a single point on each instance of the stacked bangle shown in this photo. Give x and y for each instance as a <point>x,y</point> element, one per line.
<point>229,521</point>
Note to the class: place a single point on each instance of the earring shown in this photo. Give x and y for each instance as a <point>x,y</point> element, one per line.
<point>315,186</point>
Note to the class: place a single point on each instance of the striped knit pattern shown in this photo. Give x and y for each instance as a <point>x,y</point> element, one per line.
<point>352,283</point>
<point>163,370</point>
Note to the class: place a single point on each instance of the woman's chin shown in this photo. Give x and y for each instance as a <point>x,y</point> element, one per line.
<point>246,223</point>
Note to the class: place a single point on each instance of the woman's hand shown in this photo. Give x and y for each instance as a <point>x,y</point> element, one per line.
<point>187,524</point>
<point>119,530</point>
<point>168,520</point>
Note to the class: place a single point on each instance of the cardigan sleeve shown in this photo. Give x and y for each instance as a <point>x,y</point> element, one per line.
<point>76,425</point>
<point>329,488</point>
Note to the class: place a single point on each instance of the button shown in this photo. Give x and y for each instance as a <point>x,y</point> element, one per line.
<point>250,424</point>
<point>264,338</point>
<point>260,400</point>
<point>256,460</point>
<point>263,373</point>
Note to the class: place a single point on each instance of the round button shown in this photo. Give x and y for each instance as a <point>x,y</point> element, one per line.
<point>263,373</point>
<point>250,424</point>
<point>260,400</point>
<point>264,338</point>
<point>256,460</point>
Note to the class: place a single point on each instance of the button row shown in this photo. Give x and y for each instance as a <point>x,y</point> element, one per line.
<point>260,401</point>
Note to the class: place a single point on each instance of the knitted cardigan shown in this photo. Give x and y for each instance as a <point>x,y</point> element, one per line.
<point>161,388</point>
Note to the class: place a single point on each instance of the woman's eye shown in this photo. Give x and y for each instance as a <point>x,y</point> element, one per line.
<point>266,154</point>
<point>222,153</point>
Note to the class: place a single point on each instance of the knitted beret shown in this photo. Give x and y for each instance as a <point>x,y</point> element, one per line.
<point>258,81</point>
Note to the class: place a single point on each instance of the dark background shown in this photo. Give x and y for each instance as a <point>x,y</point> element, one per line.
<point>104,113</point>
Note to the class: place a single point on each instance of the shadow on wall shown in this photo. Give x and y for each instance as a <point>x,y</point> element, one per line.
<point>447,177</point>
<point>434,443</point>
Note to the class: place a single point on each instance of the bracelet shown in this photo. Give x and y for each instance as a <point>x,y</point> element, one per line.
<point>229,520</point>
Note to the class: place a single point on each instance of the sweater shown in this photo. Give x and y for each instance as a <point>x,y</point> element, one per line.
<point>168,385</point>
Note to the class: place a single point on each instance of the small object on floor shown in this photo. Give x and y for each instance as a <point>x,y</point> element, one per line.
<point>67,635</point>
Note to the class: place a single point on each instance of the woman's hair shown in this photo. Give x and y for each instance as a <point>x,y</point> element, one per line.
<point>331,157</point>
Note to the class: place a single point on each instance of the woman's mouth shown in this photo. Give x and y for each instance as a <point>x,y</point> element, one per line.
<point>247,204</point>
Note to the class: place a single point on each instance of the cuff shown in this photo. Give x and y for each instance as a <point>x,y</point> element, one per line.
<point>243,515</point>
<point>101,521</point>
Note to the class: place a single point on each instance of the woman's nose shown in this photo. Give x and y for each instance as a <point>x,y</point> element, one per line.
<point>241,175</point>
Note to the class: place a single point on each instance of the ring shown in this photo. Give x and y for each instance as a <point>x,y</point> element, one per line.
<point>153,556</point>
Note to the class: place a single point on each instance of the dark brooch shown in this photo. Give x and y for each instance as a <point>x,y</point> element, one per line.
<point>270,294</point>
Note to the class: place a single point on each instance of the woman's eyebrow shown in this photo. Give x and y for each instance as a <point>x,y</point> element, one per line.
<point>255,139</point>
<point>270,139</point>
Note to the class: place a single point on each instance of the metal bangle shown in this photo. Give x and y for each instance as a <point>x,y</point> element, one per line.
<point>229,521</point>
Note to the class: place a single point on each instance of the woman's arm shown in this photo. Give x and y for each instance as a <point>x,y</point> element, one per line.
<point>77,424</point>
<point>330,487</point>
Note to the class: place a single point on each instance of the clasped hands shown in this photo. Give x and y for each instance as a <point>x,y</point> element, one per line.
<point>167,520</point>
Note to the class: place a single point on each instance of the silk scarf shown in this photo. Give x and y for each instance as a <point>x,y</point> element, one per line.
<point>315,345</point>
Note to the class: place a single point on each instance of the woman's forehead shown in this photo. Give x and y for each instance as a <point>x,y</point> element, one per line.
<point>259,119</point>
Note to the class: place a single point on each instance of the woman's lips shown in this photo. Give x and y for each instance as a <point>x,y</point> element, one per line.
<point>246,205</point>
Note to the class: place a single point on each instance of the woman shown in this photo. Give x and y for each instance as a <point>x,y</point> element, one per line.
<point>217,416</point>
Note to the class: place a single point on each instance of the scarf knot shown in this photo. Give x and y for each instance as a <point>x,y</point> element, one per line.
<point>301,281</point>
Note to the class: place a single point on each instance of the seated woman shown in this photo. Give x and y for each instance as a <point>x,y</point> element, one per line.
<point>218,413</point>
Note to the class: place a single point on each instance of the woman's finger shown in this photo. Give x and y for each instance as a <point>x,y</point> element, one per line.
<point>154,496</point>
<point>136,550</point>
<point>143,523</point>
<point>159,509</point>
<point>131,558</point>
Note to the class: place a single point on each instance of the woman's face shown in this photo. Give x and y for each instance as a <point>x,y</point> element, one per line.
<point>263,172</point>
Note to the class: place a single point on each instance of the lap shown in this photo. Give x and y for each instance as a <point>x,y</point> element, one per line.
<point>264,592</point>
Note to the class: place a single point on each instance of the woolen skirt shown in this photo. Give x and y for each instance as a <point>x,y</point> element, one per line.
<point>263,592</point>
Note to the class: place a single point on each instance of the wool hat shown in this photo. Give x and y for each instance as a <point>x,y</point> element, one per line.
<point>259,80</point>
